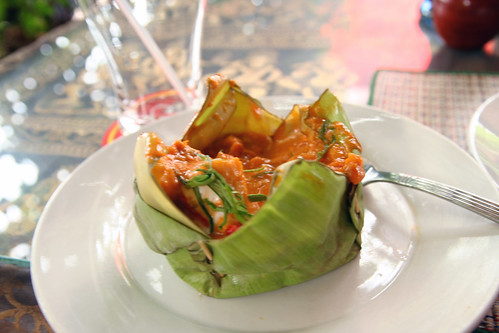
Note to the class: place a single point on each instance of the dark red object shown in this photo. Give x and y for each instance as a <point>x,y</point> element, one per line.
<point>466,24</point>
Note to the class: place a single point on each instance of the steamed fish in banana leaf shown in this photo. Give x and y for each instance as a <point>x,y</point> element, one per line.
<point>247,202</point>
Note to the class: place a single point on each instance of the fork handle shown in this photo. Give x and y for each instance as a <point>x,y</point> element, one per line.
<point>475,203</point>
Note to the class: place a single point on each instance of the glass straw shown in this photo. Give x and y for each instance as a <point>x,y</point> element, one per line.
<point>153,48</point>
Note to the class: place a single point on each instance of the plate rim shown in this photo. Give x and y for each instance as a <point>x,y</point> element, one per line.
<point>471,139</point>
<point>103,150</point>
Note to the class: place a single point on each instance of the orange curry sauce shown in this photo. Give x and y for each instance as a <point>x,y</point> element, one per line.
<point>247,164</point>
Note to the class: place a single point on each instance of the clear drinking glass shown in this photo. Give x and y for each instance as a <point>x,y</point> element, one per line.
<point>153,52</point>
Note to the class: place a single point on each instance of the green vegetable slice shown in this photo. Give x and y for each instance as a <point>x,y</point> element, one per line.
<point>228,109</point>
<point>150,190</point>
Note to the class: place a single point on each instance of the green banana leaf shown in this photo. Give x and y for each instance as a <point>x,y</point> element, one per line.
<point>306,229</point>
<point>309,225</point>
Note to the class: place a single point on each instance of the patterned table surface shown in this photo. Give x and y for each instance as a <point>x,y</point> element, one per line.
<point>442,101</point>
<point>54,106</point>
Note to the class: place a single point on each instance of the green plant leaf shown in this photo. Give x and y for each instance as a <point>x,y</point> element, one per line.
<point>304,230</point>
<point>309,225</point>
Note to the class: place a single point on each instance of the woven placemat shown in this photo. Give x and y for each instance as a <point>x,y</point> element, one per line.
<point>445,102</point>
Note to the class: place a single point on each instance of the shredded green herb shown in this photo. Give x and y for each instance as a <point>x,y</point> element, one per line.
<point>257,197</point>
<point>203,157</point>
<point>255,170</point>
<point>200,180</point>
<point>323,130</point>
<point>203,207</point>
<point>212,205</point>
<point>323,151</point>
<point>326,125</point>
<point>264,173</point>
<point>232,201</point>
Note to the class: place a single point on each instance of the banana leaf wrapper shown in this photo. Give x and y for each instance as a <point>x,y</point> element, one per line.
<point>309,225</point>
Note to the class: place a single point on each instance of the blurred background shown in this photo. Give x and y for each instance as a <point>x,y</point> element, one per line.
<point>23,21</point>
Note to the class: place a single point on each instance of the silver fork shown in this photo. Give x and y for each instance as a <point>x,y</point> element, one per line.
<point>462,198</point>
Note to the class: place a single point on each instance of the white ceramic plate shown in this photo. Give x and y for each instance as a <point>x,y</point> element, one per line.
<point>425,266</point>
<point>483,136</point>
